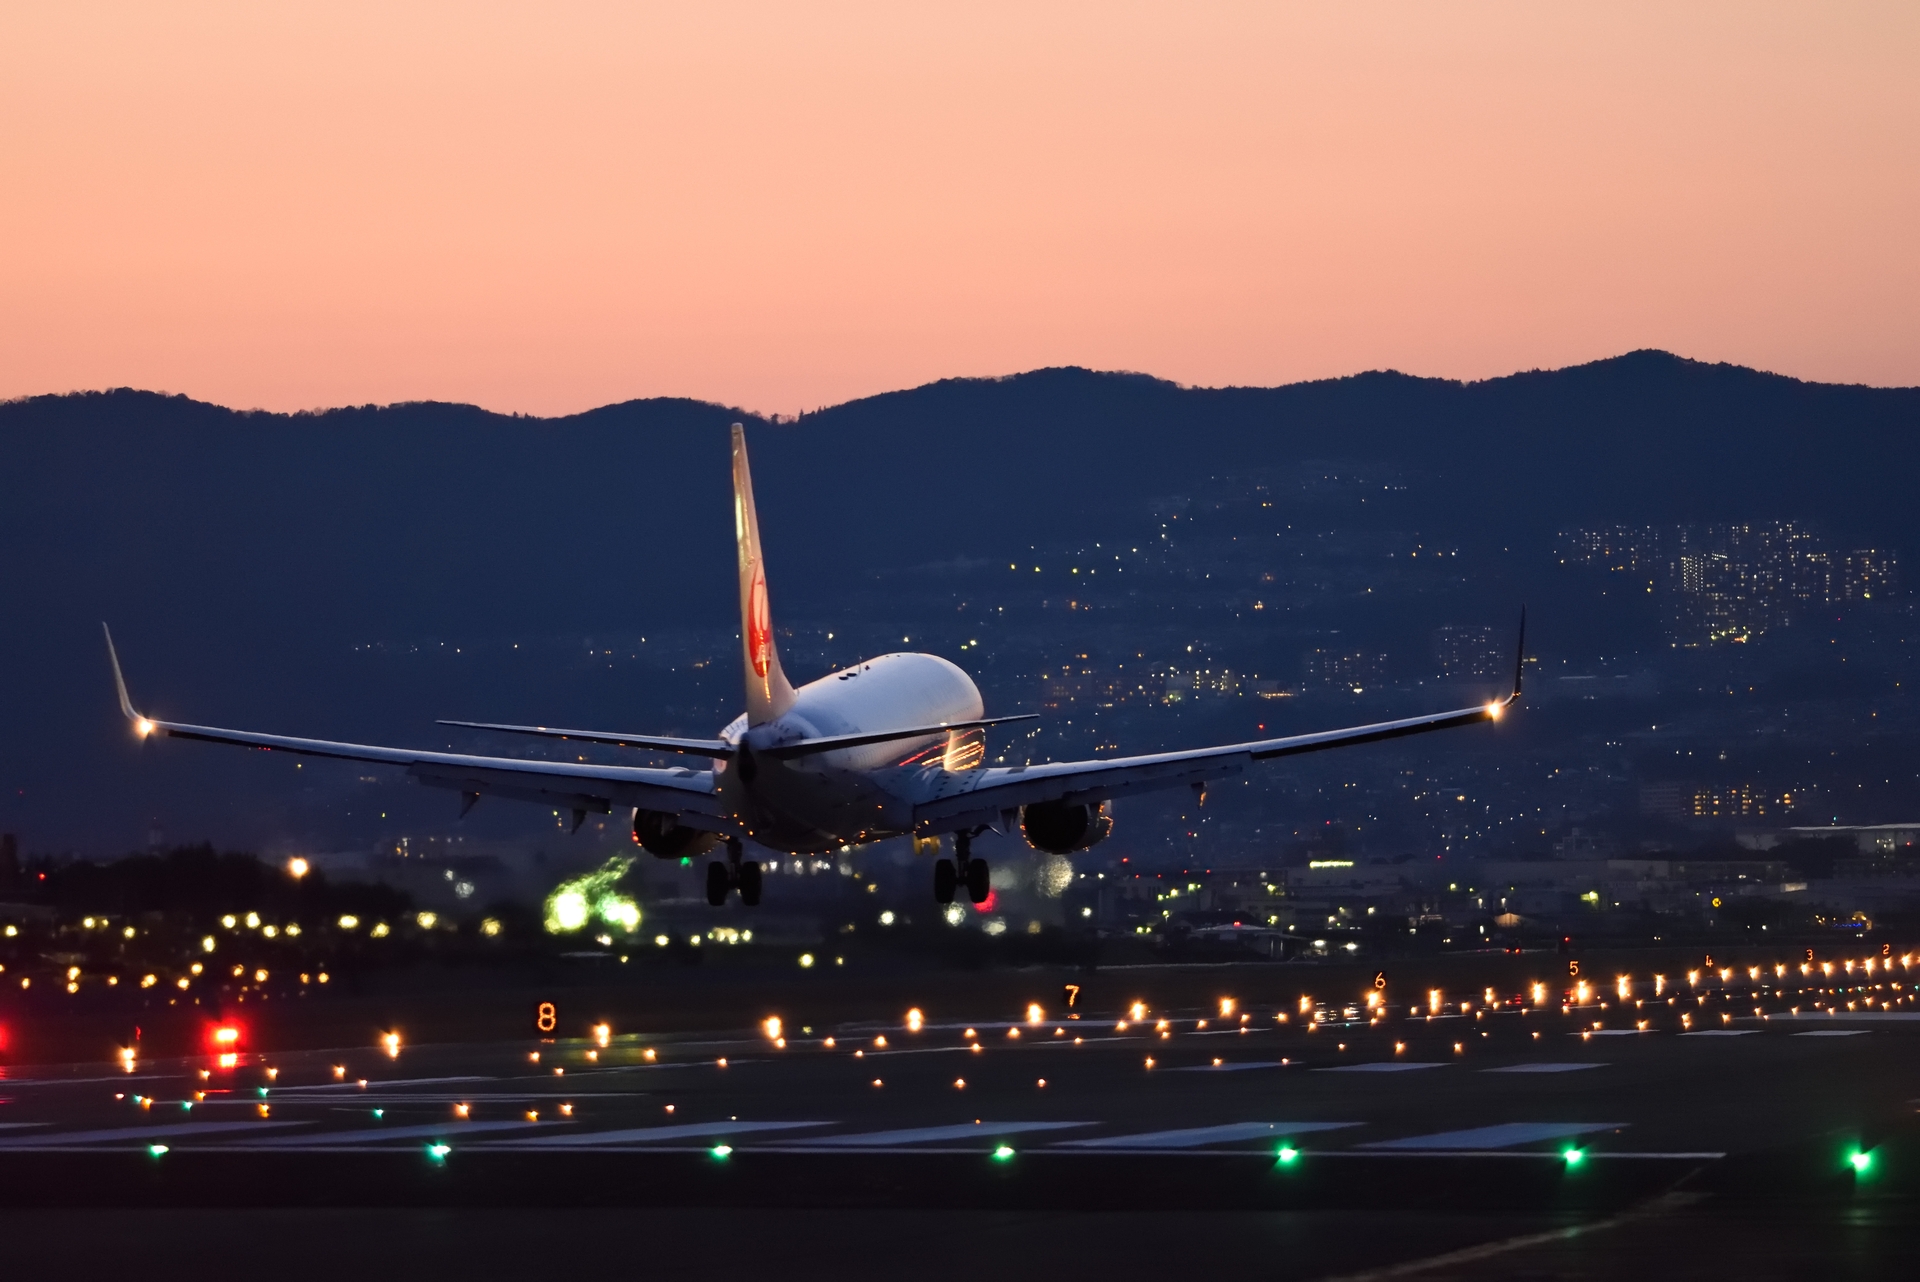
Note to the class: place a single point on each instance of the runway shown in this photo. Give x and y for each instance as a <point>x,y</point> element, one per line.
<point>1563,1090</point>
<point>1635,1129</point>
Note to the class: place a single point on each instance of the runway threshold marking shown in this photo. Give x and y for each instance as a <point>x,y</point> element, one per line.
<point>119,1133</point>
<point>1382,1066</point>
<point>1197,1136</point>
<point>378,1135</point>
<point>653,1134</point>
<point>985,1131</point>
<point>1504,1135</point>
<point>1542,1067</point>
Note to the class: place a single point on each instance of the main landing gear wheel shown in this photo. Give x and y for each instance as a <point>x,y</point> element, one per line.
<point>944,881</point>
<point>718,883</point>
<point>978,887</point>
<point>750,883</point>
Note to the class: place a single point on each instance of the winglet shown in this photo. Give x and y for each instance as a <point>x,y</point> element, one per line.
<point>1519,656</point>
<point>142,726</point>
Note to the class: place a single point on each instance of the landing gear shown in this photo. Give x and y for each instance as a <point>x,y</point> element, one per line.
<point>978,887</point>
<point>735,874</point>
<point>963,869</point>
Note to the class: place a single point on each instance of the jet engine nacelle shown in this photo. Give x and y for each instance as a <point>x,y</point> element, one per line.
<point>662,834</point>
<point>1060,828</point>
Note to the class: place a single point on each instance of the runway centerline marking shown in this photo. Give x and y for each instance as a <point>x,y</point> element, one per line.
<point>371,1085</point>
<point>375,1135</point>
<point>656,1134</point>
<point>140,1133</point>
<point>1504,1135</point>
<point>1722,1032</point>
<point>1382,1066</point>
<point>1542,1067</point>
<point>1834,1032</point>
<point>1196,1136</point>
<point>1236,1067</point>
<point>984,1131</point>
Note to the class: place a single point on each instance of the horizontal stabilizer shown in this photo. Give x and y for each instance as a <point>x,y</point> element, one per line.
<point>656,743</point>
<point>831,743</point>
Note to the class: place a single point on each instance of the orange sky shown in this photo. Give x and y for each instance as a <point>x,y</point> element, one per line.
<point>545,207</point>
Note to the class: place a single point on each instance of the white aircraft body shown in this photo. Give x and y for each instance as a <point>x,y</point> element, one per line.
<point>889,747</point>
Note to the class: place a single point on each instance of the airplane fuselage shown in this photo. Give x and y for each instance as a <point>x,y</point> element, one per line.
<point>819,802</point>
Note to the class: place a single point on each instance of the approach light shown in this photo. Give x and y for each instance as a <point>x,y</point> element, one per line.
<point>298,868</point>
<point>915,1020</point>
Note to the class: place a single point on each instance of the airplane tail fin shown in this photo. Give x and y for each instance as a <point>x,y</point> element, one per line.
<point>768,694</point>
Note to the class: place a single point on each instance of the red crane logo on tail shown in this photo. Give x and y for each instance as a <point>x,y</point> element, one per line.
<point>759,626</point>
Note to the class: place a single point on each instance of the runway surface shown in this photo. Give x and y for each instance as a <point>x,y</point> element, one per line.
<point>1367,1139</point>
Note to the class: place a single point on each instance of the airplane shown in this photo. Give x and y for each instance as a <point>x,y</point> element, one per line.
<point>889,747</point>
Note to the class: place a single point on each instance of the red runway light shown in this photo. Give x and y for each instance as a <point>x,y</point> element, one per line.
<point>226,1038</point>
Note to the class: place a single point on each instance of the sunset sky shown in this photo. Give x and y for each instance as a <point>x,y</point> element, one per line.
<point>546,207</point>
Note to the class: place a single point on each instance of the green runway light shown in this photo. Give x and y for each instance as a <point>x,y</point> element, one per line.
<point>155,1150</point>
<point>438,1152</point>
<point>1288,1153</point>
<point>721,1151</point>
<point>1860,1162</point>
<point>379,1113</point>
<point>1574,1156</point>
<point>1003,1153</point>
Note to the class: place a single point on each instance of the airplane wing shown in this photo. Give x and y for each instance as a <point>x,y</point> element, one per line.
<point>574,786</point>
<point>719,749</point>
<point>988,797</point>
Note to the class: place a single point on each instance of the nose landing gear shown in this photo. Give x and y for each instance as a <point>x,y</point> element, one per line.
<point>962,870</point>
<point>735,874</point>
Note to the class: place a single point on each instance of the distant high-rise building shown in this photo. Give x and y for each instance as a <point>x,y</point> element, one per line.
<point>1868,574</point>
<point>1612,547</point>
<point>1346,669</point>
<point>1461,652</point>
